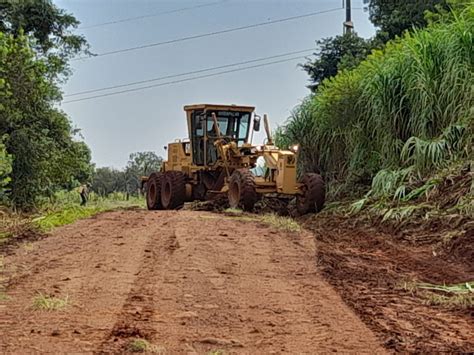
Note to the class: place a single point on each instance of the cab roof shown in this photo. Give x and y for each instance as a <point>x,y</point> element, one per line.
<point>219,107</point>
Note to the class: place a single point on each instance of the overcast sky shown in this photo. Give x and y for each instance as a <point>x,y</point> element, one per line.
<point>118,125</point>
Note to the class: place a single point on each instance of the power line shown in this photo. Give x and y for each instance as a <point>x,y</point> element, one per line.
<point>189,73</point>
<point>184,80</point>
<point>234,29</point>
<point>152,15</point>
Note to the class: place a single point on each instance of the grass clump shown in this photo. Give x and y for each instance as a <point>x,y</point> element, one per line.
<point>244,218</point>
<point>452,296</point>
<point>233,211</point>
<point>216,352</point>
<point>49,303</point>
<point>455,301</point>
<point>139,345</point>
<point>467,287</point>
<point>286,224</point>
<point>27,246</point>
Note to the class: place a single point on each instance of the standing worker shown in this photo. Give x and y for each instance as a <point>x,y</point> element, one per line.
<point>84,192</point>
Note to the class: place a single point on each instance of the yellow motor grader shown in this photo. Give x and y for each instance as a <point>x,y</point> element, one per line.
<point>219,158</point>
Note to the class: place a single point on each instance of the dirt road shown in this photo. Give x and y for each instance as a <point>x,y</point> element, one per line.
<point>188,282</point>
<point>371,269</point>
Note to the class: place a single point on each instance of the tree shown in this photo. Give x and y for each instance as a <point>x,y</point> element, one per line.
<point>336,53</point>
<point>140,164</point>
<point>49,29</point>
<point>72,167</point>
<point>36,44</point>
<point>107,180</point>
<point>393,17</point>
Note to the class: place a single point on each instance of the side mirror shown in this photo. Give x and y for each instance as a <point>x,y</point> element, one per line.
<point>256,123</point>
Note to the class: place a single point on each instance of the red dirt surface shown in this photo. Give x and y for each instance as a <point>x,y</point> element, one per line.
<point>369,269</point>
<point>189,282</point>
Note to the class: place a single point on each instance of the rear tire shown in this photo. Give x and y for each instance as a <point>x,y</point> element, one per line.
<point>313,194</point>
<point>153,192</point>
<point>242,191</point>
<point>173,190</point>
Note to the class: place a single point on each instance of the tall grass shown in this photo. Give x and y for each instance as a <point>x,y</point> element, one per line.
<point>409,105</point>
<point>65,208</point>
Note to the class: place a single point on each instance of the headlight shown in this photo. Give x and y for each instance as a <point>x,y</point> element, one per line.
<point>295,148</point>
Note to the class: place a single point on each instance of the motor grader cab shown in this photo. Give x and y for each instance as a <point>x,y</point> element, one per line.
<point>219,158</point>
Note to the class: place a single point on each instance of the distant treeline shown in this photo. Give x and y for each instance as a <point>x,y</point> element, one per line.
<point>108,180</point>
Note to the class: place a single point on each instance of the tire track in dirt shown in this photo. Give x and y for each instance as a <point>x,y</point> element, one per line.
<point>92,262</point>
<point>369,268</point>
<point>241,287</point>
<point>189,282</point>
<point>136,319</point>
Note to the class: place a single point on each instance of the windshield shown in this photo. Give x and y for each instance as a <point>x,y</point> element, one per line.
<point>231,124</point>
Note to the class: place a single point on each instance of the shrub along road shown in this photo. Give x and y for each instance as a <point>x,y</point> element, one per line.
<point>184,282</point>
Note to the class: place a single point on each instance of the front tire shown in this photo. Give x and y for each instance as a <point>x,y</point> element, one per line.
<point>242,191</point>
<point>313,194</point>
<point>173,190</point>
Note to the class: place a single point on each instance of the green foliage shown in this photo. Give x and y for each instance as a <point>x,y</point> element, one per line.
<point>390,182</point>
<point>139,345</point>
<point>336,53</point>
<point>285,224</point>
<point>450,296</point>
<point>34,48</point>
<point>65,209</point>
<point>107,180</point>
<point>48,28</point>
<point>140,164</point>
<point>393,17</point>
<point>402,113</point>
<point>428,154</point>
<point>43,302</point>
<point>5,171</point>
<point>403,212</point>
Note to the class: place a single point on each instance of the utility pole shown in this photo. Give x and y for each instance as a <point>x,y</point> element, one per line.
<point>348,24</point>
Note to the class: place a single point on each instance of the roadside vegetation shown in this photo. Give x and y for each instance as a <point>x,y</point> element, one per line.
<point>68,210</point>
<point>281,223</point>
<point>63,208</point>
<point>394,134</point>
<point>43,158</point>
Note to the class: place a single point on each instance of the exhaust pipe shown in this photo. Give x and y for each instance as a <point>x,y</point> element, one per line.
<point>267,129</point>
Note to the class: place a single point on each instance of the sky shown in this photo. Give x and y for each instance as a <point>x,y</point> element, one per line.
<point>146,120</point>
